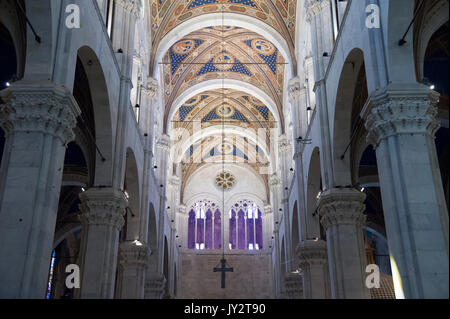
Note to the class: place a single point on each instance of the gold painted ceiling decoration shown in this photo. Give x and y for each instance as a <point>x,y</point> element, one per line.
<point>223,52</point>
<point>167,14</point>
<point>223,106</point>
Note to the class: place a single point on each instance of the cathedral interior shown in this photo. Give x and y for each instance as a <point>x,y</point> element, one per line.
<point>224,149</point>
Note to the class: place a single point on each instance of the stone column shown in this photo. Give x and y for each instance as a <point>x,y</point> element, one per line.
<point>38,120</point>
<point>401,121</point>
<point>313,263</point>
<point>274,184</point>
<point>284,151</point>
<point>319,18</point>
<point>102,218</point>
<point>154,285</point>
<point>341,212</point>
<point>293,286</point>
<point>133,258</point>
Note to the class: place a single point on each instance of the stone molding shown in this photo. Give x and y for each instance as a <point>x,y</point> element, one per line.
<point>39,107</point>
<point>340,206</point>
<point>312,253</point>
<point>133,255</point>
<point>401,109</point>
<point>103,206</point>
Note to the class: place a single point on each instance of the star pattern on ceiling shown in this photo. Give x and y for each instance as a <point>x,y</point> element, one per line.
<point>224,106</point>
<point>167,14</point>
<point>223,52</point>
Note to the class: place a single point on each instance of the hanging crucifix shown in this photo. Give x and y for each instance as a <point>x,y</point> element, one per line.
<point>223,269</point>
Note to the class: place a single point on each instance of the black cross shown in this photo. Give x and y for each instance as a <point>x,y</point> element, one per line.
<point>223,270</point>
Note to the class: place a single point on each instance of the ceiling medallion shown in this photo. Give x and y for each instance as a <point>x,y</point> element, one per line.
<point>225,180</point>
<point>225,148</point>
<point>223,61</point>
<point>263,47</point>
<point>184,47</point>
<point>225,110</point>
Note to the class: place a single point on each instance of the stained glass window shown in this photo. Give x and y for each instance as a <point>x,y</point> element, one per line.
<point>245,226</point>
<point>204,227</point>
<point>50,276</point>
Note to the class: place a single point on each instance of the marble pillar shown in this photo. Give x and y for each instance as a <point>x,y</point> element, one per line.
<point>38,120</point>
<point>133,259</point>
<point>313,264</point>
<point>401,121</point>
<point>342,217</point>
<point>102,218</point>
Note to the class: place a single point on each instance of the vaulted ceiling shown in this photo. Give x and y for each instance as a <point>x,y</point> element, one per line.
<point>204,56</point>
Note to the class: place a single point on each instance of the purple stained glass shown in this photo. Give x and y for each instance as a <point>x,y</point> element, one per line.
<point>233,230</point>
<point>191,229</point>
<point>250,233</point>
<point>217,230</point>
<point>259,230</point>
<point>200,230</point>
<point>241,230</point>
<point>208,230</point>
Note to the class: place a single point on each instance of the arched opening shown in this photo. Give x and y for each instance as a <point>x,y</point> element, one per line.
<point>347,123</point>
<point>131,188</point>
<point>67,239</point>
<point>166,268</point>
<point>8,71</point>
<point>295,230</point>
<point>95,124</point>
<point>436,60</point>
<point>313,228</point>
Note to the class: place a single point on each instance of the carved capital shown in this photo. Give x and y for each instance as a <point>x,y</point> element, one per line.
<point>293,285</point>
<point>154,285</point>
<point>274,181</point>
<point>311,253</point>
<point>103,206</point>
<point>132,255</point>
<point>294,89</point>
<point>39,107</point>
<point>164,143</point>
<point>401,109</point>
<point>151,89</point>
<point>315,7</point>
<point>132,6</point>
<point>340,206</point>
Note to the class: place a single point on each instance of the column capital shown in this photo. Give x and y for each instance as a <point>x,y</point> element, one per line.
<point>103,206</point>
<point>164,142</point>
<point>339,206</point>
<point>39,107</point>
<point>132,6</point>
<point>133,255</point>
<point>312,253</point>
<point>293,285</point>
<point>315,7</point>
<point>151,88</point>
<point>294,89</point>
<point>283,144</point>
<point>274,181</point>
<point>154,285</point>
<point>400,109</point>
<point>267,209</point>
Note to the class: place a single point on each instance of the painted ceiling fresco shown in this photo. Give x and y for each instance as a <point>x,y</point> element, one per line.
<point>167,14</point>
<point>227,106</point>
<point>223,52</point>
